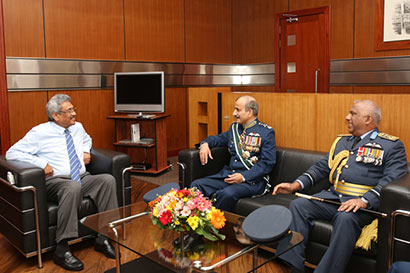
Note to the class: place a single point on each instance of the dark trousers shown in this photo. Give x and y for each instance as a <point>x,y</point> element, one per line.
<point>399,267</point>
<point>347,227</point>
<point>101,189</point>
<point>226,194</point>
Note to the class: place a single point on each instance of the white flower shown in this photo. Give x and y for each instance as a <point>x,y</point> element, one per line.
<point>186,211</point>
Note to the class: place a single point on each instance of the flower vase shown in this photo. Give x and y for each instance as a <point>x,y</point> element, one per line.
<point>187,240</point>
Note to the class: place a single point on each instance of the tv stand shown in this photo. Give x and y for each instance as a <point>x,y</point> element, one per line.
<point>141,116</point>
<point>154,152</point>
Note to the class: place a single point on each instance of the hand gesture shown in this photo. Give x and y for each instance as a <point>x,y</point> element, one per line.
<point>87,158</point>
<point>286,188</point>
<point>352,204</point>
<point>48,171</point>
<point>235,178</point>
<point>204,153</point>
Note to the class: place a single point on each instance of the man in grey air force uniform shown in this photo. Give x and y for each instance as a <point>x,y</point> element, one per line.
<point>358,166</point>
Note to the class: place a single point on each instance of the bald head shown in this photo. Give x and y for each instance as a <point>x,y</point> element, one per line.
<point>246,109</point>
<point>363,117</point>
<point>250,104</point>
<point>372,109</point>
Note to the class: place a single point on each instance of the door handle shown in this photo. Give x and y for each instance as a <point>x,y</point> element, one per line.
<point>316,75</point>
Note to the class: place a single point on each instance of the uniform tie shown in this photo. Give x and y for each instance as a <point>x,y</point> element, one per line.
<point>356,140</point>
<point>72,155</point>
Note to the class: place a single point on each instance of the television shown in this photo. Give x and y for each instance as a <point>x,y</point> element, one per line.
<point>139,92</point>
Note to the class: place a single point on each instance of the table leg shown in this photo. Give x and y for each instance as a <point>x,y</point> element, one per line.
<point>117,252</point>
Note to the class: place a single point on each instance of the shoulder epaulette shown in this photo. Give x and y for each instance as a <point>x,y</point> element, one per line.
<point>264,125</point>
<point>342,135</point>
<point>387,136</point>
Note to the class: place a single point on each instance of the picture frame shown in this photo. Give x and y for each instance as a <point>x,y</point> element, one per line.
<point>392,25</point>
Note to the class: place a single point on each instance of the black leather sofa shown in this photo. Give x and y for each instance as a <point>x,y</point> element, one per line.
<point>289,165</point>
<point>18,208</point>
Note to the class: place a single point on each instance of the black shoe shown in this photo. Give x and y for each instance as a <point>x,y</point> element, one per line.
<point>105,247</point>
<point>69,262</point>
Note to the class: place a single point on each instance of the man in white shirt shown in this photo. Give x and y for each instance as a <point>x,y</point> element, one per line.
<point>62,148</point>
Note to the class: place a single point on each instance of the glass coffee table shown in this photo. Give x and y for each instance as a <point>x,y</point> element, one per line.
<point>130,227</point>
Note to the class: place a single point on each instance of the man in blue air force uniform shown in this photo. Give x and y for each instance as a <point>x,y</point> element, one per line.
<point>252,147</point>
<point>358,167</point>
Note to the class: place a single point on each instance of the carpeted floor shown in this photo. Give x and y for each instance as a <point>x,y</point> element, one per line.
<point>164,177</point>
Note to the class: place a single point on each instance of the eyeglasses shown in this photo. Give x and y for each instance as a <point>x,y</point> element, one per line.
<point>69,111</point>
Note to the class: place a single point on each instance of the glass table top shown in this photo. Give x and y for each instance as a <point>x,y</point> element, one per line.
<point>131,227</point>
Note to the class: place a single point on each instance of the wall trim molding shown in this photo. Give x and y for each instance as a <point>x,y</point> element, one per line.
<point>30,74</point>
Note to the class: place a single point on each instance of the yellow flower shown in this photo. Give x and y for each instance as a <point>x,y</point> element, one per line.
<point>193,222</point>
<point>217,218</point>
<point>185,199</point>
<point>177,222</point>
<point>155,212</point>
<point>194,256</point>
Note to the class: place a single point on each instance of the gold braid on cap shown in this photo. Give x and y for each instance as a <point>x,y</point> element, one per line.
<point>338,162</point>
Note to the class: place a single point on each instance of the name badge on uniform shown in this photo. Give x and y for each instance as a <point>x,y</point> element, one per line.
<point>370,153</point>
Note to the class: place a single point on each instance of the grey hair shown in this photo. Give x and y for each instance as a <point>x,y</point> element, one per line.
<point>375,110</point>
<point>251,104</point>
<point>54,104</point>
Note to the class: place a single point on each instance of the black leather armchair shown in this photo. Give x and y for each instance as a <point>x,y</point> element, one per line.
<point>28,220</point>
<point>290,163</point>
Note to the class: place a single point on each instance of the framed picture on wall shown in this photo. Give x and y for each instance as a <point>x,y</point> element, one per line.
<point>393,24</point>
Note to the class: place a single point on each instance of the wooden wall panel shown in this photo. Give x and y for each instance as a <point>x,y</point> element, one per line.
<point>312,121</point>
<point>93,108</point>
<point>177,132</point>
<point>342,26</point>
<point>203,112</point>
<point>154,30</point>
<point>23,28</point>
<point>365,41</point>
<point>91,29</point>
<point>208,31</point>
<point>381,89</point>
<point>342,29</point>
<point>341,89</point>
<point>253,23</point>
<point>281,111</point>
<point>26,110</point>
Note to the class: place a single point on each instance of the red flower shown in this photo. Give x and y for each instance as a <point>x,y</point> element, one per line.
<point>166,217</point>
<point>185,192</point>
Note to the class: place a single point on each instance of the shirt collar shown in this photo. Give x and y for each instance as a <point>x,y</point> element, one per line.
<point>59,128</point>
<point>250,124</point>
<point>367,133</point>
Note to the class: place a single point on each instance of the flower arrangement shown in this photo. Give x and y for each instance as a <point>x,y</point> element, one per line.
<point>187,210</point>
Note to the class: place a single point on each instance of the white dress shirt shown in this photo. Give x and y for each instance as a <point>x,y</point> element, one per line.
<point>46,144</point>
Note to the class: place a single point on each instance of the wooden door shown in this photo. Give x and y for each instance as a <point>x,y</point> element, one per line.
<point>4,112</point>
<point>302,51</point>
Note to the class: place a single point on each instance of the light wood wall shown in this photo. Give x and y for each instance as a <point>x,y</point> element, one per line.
<point>203,113</point>
<point>312,121</point>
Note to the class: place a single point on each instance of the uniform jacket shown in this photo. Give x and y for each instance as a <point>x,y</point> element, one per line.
<point>262,136</point>
<point>387,163</point>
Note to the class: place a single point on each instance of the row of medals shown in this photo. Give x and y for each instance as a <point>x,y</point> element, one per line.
<point>368,154</point>
<point>247,149</point>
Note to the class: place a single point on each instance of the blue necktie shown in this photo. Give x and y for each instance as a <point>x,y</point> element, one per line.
<point>72,155</point>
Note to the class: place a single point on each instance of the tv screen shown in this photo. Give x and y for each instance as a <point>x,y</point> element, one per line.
<point>139,92</point>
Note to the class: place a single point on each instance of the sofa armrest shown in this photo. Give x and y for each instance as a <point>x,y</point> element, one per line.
<point>112,162</point>
<point>395,196</point>
<point>26,174</point>
<point>193,169</point>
